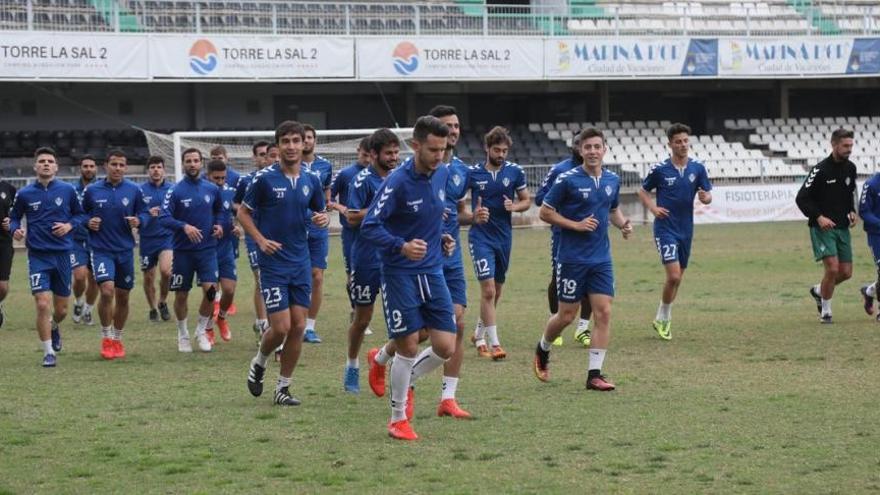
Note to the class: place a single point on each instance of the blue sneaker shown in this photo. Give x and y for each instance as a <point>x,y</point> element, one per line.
<point>352,381</point>
<point>56,338</point>
<point>49,361</point>
<point>311,337</point>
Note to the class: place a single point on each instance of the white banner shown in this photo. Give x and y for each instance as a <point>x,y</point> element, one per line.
<point>48,55</point>
<point>629,57</point>
<point>251,57</point>
<point>756,203</point>
<point>449,58</point>
<point>784,56</point>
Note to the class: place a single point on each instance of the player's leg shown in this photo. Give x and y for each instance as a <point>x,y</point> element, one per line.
<point>869,291</point>
<point>227,295</point>
<point>290,352</point>
<point>207,274</point>
<point>844,256</point>
<point>824,243</point>
<point>6,255</point>
<point>148,271</point>
<point>599,284</point>
<point>44,306</point>
<point>182,271</point>
<point>487,315</point>
<point>123,283</point>
<point>79,261</point>
<point>571,290</point>
<point>58,274</point>
<point>319,249</point>
<point>364,289</point>
<point>671,252</point>
<point>455,282</point>
<point>165,259</point>
<point>501,263</point>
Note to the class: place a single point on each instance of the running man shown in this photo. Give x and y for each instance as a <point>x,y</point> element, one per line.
<point>53,210</point>
<point>274,213</point>
<point>227,249</point>
<point>869,210</point>
<point>219,153</point>
<point>7,196</point>
<point>85,290</point>
<point>583,202</point>
<point>677,180</point>
<point>319,240</point>
<point>155,241</point>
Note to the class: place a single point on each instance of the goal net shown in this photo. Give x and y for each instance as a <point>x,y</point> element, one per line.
<point>339,146</point>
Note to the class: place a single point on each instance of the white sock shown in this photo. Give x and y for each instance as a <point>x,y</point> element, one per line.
<point>310,324</point>
<point>209,325</point>
<point>217,296</point>
<point>478,330</point>
<point>182,331</point>
<point>491,333</point>
<point>382,357</point>
<point>80,300</point>
<point>262,323</point>
<point>222,314</point>
<point>282,382</point>
<point>202,324</point>
<point>872,289</point>
<point>826,306</point>
<point>87,308</point>
<point>450,383</point>
<point>115,333</point>
<point>664,311</point>
<point>426,362</point>
<point>583,324</point>
<point>545,346</point>
<point>401,371</point>
<point>261,359</point>
<point>106,332</point>
<point>597,358</point>
<point>353,363</point>
<point>47,347</point>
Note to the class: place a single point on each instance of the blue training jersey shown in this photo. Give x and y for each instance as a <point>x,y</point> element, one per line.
<point>339,188</point>
<point>81,233</point>
<point>112,203</point>
<point>456,190</point>
<point>154,196</point>
<point>676,189</point>
<point>282,205</point>
<point>324,170</point>
<point>492,187</point>
<point>409,206</point>
<point>577,195</point>
<point>869,205</point>
<point>550,179</point>
<point>56,202</point>
<point>194,202</point>
<point>361,192</point>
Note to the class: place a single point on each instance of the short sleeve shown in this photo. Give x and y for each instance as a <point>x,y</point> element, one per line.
<point>651,180</point>
<point>556,195</point>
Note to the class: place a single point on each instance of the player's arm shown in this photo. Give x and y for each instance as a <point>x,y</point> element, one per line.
<point>318,205</point>
<point>549,214</point>
<point>78,215</point>
<point>704,189</point>
<point>621,222</point>
<point>140,212</point>
<point>867,207</point>
<point>548,182</point>
<point>166,217</point>
<point>465,215</point>
<point>523,200</point>
<point>853,217</point>
<point>16,213</point>
<point>253,198</point>
<point>806,200</point>
<point>334,202</point>
<point>373,227</point>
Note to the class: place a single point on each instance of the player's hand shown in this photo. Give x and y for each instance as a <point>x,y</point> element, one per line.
<point>448,243</point>
<point>481,213</point>
<point>853,219</point>
<point>193,234</point>
<point>236,231</point>
<point>60,229</point>
<point>6,223</point>
<point>626,229</point>
<point>321,219</point>
<point>269,246</point>
<point>154,211</point>
<point>660,212</point>
<point>703,196</point>
<point>133,222</point>
<point>18,234</point>
<point>217,231</point>
<point>588,224</point>
<point>414,250</point>
<point>825,223</point>
<point>94,224</point>
<point>508,204</point>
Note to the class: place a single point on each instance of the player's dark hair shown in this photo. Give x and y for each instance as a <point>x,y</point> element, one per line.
<point>841,133</point>
<point>576,157</point>
<point>257,145</point>
<point>117,153</point>
<point>497,135</point>
<point>216,166</point>
<point>382,138</point>
<point>442,111</point>
<point>271,146</point>
<point>289,127</point>
<point>191,150</point>
<point>309,128</point>
<point>86,157</point>
<point>155,159</point>
<point>364,145</point>
<point>219,150</point>
<point>677,128</point>
<point>428,125</point>
<point>45,150</point>
<point>589,132</point>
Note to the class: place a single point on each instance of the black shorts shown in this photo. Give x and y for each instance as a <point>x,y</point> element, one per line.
<point>6,253</point>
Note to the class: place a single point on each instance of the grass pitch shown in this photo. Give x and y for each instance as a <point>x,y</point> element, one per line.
<point>752,395</point>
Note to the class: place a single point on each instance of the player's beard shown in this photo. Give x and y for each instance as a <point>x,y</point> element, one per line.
<point>192,173</point>
<point>496,162</point>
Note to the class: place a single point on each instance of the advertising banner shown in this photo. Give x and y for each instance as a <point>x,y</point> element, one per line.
<point>633,57</point>
<point>70,56</point>
<point>756,57</point>
<point>750,203</point>
<point>449,58</point>
<point>250,57</point>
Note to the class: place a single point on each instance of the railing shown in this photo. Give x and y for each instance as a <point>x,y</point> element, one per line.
<point>609,18</point>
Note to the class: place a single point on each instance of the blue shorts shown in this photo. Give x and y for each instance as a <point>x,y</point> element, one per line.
<point>185,264</point>
<point>364,286</point>
<point>252,253</point>
<point>113,266</point>
<point>227,265</point>
<point>80,255</point>
<point>282,289</point>
<point>673,249</point>
<point>319,249</point>
<point>874,244</point>
<point>456,284</point>
<point>49,271</point>
<point>347,242</point>
<point>574,281</point>
<point>150,259</point>
<point>414,302</point>
<point>490,262</point>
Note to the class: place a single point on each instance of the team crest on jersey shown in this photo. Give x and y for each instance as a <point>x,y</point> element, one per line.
<point>58,201</point>
<point>207,198</point>
<point>506,182</point>
<point>3,195</point>
<point>456,179</point>
<point>608,190</point>
<point>692,177</point>
<point>226,205</point>
<point>306,190</point>
<point>124,201</point>
<point>846,181</point>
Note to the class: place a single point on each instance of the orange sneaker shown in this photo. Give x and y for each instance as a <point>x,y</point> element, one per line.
<point>449,407</point>
<point>118,349</point>
<point>542,364</point>
<point>225,334</point>
<point>600,383</point>
<point>377,373</point>
<point>210,334</point>
<point>483,351</point>
<point>410,403</point>
<point>498,353</point>
<point>401,430</point>
<point>216,308</point>
<point>232,310</point>
<point>107,348</point>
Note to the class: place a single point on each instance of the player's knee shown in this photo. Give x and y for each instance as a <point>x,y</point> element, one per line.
<point>107,291</point>
<point>444,349</point>
<point>43,305</point>
<point>567,314</point>
<point>487,292</point>
<point>602,314</point>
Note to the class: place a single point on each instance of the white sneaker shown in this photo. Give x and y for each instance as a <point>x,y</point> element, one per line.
<point>87,318</point>
<point>368,331</point>
<point>76,316</point>
<point>184,345</point>
<point>204,343</point>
